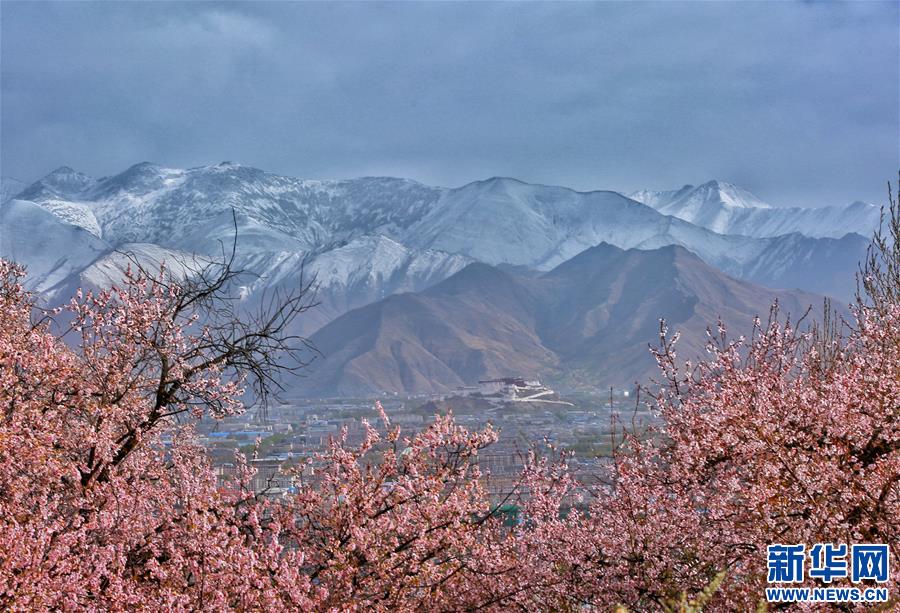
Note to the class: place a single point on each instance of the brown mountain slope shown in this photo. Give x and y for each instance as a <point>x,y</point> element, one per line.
<point>479,322</point>
<point>602,308</point>
<point>589,320</point>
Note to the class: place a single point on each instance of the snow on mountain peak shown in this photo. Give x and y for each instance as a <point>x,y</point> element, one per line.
<point>714,192</point>
<point>63,183</point>
<point>139,179</point>
<point>713,204</point>
<point>731,195</point>
<point>728,209</point>
<point>169,206</point>
<point>369,237</point>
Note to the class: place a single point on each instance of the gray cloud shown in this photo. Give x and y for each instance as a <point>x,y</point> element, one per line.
<point>798,102</point>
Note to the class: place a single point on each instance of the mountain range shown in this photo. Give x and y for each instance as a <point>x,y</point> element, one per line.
<point>728,209</point>
<point>379,242</point>
<point>590,319</point>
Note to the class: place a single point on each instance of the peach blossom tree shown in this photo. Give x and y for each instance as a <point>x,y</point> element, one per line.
<point>787,436</point>
<point>108,503</point>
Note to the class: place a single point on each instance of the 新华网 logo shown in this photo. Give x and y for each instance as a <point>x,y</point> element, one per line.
<point>828,563</point>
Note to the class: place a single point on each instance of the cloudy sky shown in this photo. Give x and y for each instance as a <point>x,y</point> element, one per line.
<point>797,102</point>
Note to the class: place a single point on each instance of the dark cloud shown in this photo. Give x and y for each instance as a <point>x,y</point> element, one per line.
<point>798,102</point>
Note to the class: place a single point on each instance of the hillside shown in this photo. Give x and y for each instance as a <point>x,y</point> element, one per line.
<point>590,318</point>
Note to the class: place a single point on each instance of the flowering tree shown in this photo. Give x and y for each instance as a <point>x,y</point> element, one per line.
<point>417,531</point>
<point>758,446</point>
<point>106,501</point>
<point>95,512</point>
<point>785,437</point>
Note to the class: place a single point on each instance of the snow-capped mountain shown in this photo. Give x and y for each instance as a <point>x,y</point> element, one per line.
<point>496,221</point>
<point>51,248</point>
<point>367,238</point>
<point>728,209</point>
<point>719,192</point>
<point>288,229</point>
<point>176,208</point>
<point>64,183</point>
<point>504,220</point>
